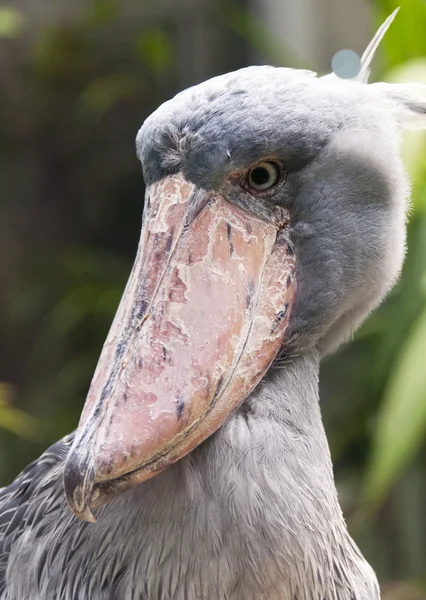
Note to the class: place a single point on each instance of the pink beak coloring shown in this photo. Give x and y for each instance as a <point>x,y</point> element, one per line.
<point>202,318</point>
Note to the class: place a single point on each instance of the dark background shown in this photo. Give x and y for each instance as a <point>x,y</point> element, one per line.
<point>77,79</point>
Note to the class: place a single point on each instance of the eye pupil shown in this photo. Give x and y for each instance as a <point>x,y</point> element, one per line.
<point>263,176</point>
<point>260,176</point>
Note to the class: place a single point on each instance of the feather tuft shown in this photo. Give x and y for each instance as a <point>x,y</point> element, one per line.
<point>409,102</point>
<point>370,51</point>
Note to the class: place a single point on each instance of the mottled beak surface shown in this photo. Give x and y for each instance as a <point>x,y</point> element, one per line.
<point>202,318</point>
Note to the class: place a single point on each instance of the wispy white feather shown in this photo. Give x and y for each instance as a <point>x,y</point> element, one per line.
<point>370,51</point>
<point>409,102</point>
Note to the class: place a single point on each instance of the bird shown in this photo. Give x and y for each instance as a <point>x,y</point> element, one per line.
<point>274,223</point>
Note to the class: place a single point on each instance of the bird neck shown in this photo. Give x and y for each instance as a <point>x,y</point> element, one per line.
<point>288,425</point>
<point>289,398</point>
<point>270,463</point>
<point>285,416</point>
<point>286,430</point>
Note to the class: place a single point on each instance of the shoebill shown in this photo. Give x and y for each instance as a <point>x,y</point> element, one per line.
<point>274,223</point>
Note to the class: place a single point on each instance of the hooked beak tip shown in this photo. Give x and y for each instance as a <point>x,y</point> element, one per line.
<point>79,488</point>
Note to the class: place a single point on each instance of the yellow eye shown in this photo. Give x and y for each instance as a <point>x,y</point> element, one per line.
<point>264,176</point>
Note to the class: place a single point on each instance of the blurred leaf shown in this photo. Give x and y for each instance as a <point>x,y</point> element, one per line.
<point>401,590</point>
<point>102,94</point>
<point>72,310</point>
<point>414,142</point>
<point>15,420</point>
<point>63,57</point>
<point>102,11</point>
<point>12,22</point>
<point>155,49</point>
<point>406,38</point>
<point>249,27</point>
<point>423,283</point>
<point>401,422</point>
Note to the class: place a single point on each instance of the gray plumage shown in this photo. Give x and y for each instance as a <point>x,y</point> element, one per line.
<point>252,513</point>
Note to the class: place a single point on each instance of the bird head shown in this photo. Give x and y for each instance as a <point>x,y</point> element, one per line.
<point>274,222</point>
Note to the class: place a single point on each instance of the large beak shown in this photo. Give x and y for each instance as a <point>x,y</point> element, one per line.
<point>203,315</point>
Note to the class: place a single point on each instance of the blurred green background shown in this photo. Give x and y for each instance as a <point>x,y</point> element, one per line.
<point>77,78</point>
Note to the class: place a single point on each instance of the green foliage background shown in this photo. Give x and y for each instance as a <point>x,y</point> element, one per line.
<point>71,199</point>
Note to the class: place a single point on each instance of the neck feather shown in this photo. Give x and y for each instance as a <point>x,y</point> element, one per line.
<point>278,440</point>
<point>271,465</point>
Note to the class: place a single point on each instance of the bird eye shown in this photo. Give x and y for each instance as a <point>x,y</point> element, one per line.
<point>263,176</point>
